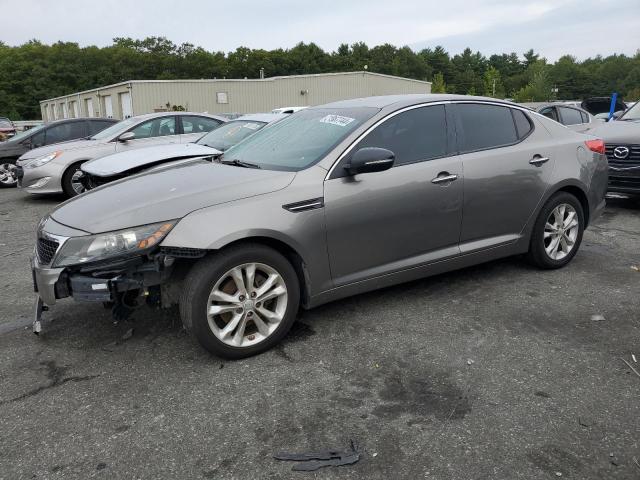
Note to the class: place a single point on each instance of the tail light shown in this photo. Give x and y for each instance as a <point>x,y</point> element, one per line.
<point>595,146</point>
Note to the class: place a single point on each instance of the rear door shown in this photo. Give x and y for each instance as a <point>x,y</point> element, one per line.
<point>383,222</point>
<point>157,131</point>
<point>195,126</point>
<point>507,166</point>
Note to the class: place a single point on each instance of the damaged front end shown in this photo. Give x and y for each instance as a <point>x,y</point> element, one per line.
<point>124,269</point>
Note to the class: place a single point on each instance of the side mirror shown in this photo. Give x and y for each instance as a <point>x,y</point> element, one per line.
<point>370,159</point>
<point>126,136</point>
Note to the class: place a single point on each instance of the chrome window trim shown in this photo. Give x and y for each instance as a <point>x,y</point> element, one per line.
<point>353,144</point>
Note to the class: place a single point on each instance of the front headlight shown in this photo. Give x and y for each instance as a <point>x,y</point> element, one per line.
<point>40,161</point>
<point>79,250</point>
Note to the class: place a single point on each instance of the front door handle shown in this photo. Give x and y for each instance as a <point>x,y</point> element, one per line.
<point>537,160</point>
<point>444,177</point>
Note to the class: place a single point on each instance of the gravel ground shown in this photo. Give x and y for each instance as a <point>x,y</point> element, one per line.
<point>493,372</point>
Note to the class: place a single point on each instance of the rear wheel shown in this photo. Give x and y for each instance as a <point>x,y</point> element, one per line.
<point>72,181</point>
<point>241,301</point>
<point>557,232</point>
<point>8,173</point>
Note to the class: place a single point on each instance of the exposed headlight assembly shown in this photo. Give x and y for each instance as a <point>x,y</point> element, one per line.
<point>92,248</point>
<point>40,161</point>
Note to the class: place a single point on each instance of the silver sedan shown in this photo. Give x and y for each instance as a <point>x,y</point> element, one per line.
<point>56,168</point>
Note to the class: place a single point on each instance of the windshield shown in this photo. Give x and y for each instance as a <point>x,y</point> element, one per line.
<point>20,136</point>
<point>632,115</point>
<point>230,133</point>
<point>5,124</point>
<point>300,140</point>
<point>115,129</point>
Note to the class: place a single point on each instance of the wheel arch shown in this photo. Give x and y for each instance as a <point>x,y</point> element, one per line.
<point>581,195</point>
<point>285,249</point>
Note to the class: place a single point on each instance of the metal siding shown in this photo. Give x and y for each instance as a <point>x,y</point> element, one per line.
<point>248,96</point>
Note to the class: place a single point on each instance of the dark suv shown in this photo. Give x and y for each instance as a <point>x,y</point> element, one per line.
<point>622,141</point>
<point>46,134</point>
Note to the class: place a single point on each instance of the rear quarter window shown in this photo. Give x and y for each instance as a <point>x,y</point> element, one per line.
<point>485,126</point>
<point>523,124</point>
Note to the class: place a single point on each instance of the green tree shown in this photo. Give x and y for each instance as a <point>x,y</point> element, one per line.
<point>493,83</point>
<point>438,85</point>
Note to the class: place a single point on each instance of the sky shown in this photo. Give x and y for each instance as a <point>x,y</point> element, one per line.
<point>583,28</point>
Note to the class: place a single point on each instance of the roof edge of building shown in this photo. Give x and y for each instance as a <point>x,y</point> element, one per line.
<point>216,80</point>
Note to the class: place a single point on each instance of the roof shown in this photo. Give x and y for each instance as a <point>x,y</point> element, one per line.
<point>170,113</point>
<point>261,117</point>
<point>218,80</point>
<point>406,100</point>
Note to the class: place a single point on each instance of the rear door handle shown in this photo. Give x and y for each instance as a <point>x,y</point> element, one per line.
<point>444,177</point>
<point>537,160</point>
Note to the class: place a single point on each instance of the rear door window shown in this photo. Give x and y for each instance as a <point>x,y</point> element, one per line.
<point>194,124</point>
<point>570,116</point>
<point>415,135</point>
<point>485,126</point>
<point>158,127</point>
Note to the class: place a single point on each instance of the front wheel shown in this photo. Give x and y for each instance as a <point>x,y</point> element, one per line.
<point>240,301</point>
<point>8,174</point>
<point>557,232</point>
<point>72,181</point>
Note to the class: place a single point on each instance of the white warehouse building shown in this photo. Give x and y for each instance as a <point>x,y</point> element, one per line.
<point>136,97</point>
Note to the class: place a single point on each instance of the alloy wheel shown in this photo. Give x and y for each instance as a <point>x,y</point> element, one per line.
<point>76,182</point>
<point>8,174</point>
<point>247,304</point>
<point>561,231</point>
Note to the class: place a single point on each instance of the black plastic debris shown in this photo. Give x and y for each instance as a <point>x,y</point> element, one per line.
<point>312,461</point>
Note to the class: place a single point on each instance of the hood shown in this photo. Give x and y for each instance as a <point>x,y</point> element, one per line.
<point>166,194</point>
<point>618,132</point>
<point>64,146</point>
<point>121,162</point>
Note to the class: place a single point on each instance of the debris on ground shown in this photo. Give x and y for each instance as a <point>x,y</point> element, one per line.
<point>128,334</point>
<point>558,474</point>
<point>631,367</point>
<point>312,461</point>
<point>583,422</point>
<point>597,318</point>
<point>635,267</point>
<point>470,362</point>
<point>633,357</point>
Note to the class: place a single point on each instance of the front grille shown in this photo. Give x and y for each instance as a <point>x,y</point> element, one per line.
<point>46,249</point>
<point>631,160</point>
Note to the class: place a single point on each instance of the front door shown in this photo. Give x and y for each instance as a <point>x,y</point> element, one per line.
<point>384,222</point>
<point>158,131</point>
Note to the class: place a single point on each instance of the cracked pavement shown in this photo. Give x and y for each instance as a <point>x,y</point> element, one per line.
<point>493,372</point>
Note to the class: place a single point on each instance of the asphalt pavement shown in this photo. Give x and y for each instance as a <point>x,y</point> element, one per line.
<point>499,371</point>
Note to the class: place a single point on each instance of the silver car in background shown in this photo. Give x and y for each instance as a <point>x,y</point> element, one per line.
<point>56,168</point>
<point>330,202</point>
<point>572,117</point>
<point>120,165</point>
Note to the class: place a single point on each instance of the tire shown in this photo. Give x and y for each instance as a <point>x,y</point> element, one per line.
<point>8,177</point>
<point>215,273</point>
<point>546,232</point>
<point>68,181</point>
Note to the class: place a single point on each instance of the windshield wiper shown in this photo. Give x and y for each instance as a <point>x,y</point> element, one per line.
<point>239,163</point>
